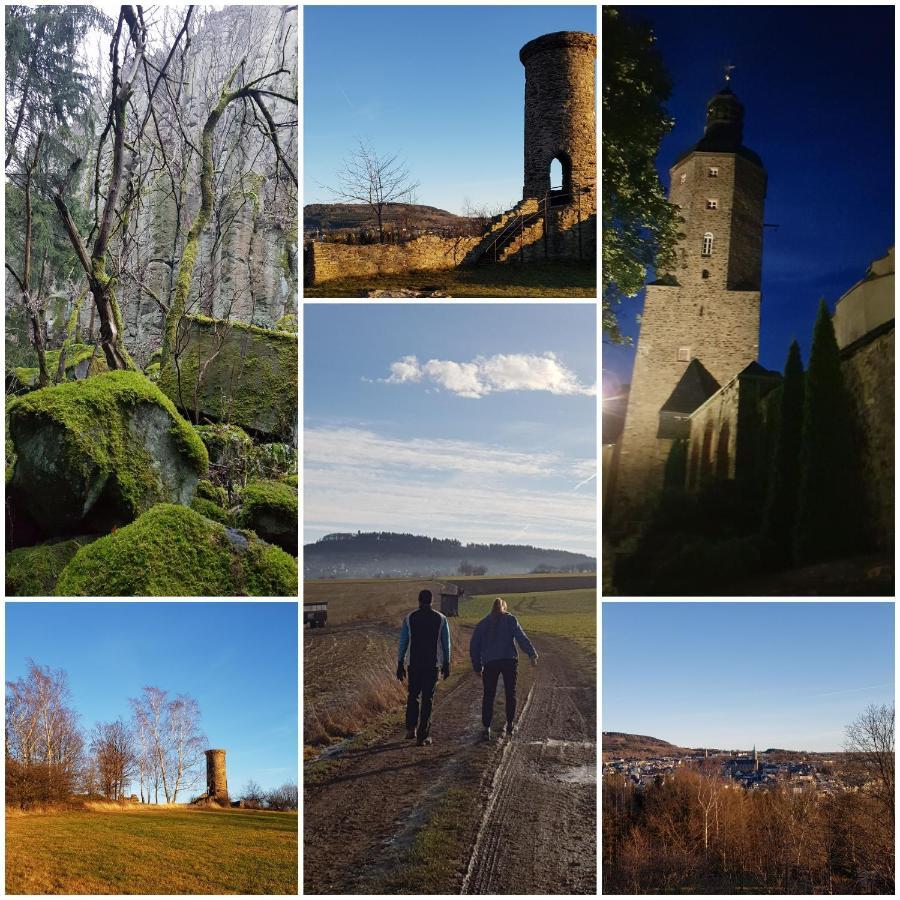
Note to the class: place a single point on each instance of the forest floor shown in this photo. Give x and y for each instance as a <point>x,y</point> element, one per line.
<point>142,850</point>
<point>550,279</point>
<point>515,815</point>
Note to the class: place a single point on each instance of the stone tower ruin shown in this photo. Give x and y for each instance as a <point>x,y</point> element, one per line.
<point>560,124</point>
<point>700,324</point>
<point>216,782</point>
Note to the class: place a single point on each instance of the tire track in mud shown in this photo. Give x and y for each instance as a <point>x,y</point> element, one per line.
<point>538,831</point>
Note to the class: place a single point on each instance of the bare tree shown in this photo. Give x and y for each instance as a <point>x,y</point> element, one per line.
<point>376,181</point>
<point>114,757</point>
<point>173,749</point>
<point>252,794</point>
<point>43,741</point>
<point>870,741</point>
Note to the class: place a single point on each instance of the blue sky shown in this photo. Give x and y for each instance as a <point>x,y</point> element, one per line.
<point>731,675</point>
<point>238,660</point>
<point>442,86</point>
<point>818,89</point>
<point>488,434</point>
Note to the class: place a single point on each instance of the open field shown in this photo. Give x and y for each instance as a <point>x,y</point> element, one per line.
<point>569,614</point>
<point>550,279</point>
<point>143,850</point>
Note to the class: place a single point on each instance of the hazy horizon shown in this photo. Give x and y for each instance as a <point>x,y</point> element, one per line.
<point>734,674</point>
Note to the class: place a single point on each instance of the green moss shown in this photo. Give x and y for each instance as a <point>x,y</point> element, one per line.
<point>212,492</point>
<point>211,510</point>
<point>33,571</point>
<point>174,551</point>
<point>75,354</point>
<point>152,371</point>
<point>250,379</point>
<point>292,480</point>
<point>90,411</point>
<point>220,440</point>
<point>267,496</point>
<point>272,461</point>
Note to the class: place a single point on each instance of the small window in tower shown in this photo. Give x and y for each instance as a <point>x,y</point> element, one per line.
<point>683,177</point>
<point>707,243</point>
<point>705,273</point>
<point>712,203</point>
<point>684,354</point>
<point>713,171</point>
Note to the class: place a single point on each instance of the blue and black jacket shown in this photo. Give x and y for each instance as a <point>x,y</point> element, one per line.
<point>425,634</point>
<point>495,637</point>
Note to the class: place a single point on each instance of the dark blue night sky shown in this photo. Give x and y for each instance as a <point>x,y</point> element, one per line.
<point>817,84</point>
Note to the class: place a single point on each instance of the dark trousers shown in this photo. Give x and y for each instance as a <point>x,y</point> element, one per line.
<point>491,673</point>
<point>421,681</point>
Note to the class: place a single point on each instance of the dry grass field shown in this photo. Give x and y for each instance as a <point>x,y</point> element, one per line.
<point>147,850</point>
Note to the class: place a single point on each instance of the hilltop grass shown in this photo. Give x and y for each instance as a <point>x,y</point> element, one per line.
<point>544,279</point>
<point>569,614</point>
<point>152,851</point>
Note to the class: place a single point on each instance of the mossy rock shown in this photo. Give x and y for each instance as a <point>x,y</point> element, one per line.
<point>292,480</point>
<point>212,492</point>
<point>173,551</point>
<point>211,510</point>
<point>33,571</point>
<point>82,361</point>
<point>95,454</point>
<point>272,461</point>
<point>250,380</point>
<point>270,509</point>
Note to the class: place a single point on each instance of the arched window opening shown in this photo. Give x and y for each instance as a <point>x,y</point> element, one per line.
<point>707,243</point>
<point>705,273</point>
<point>722,463</point>
<point>560,177</point>
<point>706,459</point>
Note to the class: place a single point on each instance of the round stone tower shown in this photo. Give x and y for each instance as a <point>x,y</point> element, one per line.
<point>216,782</point>
<point>560,115</point>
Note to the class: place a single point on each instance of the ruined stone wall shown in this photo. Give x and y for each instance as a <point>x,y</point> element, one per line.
<point>869,373</point>
<point>326,262</point>
<point>216,782</point>
<point>718,327</point>
<point>560,110</point>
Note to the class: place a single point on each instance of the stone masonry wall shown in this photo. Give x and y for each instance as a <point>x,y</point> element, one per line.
<point>718,413</point>
<point>326,262</point>
<point>721,329</point>
<point>869,373</point>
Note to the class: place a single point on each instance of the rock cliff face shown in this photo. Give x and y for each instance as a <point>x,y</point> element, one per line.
<point>247,260</point>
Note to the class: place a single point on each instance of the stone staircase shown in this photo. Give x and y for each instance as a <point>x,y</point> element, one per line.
<point>510,232</point>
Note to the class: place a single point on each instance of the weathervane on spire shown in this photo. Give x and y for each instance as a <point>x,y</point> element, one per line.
<point>728,70</point>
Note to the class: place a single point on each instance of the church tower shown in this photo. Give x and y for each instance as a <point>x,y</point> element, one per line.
<point>700,324</point>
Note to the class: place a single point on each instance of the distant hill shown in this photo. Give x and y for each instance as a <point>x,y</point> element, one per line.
<point>621,745</point>
<point>391,555</point>
<point>332,216</point>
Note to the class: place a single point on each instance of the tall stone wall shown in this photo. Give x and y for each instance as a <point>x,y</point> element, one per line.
<point>869,373</point>
<point>718,327</point>
<point>216,782</point>
<point>327,262</point>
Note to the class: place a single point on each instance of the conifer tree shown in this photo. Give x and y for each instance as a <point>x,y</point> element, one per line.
<point>830,518</point>
<point>784,481</point>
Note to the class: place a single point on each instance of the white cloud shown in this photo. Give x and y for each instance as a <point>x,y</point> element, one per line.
<point>492,374</point>
<point>356,479</point>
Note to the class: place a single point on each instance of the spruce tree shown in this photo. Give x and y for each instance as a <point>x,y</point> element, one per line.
<point>784,480</point>
<point>830,520</point>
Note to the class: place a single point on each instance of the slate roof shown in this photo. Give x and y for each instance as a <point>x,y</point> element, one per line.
<point>694,387</point>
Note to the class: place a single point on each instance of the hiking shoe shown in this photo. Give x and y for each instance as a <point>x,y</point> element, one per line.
<point>410,734</point>
<point>486,734</point>
<point>509,729</point>
<point>425,742</point>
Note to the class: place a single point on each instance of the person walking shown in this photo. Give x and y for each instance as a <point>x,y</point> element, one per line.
<point>493,653</point>
<point>425,635</point>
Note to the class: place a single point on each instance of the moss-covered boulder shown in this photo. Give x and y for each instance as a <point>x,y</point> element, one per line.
<point>250,375</point>
<point>206,490</point>
<point>33,571</point>
<point>212,510</point>
<point>173,551</point>
<point>82,361</point>
<point>270,509</point>
<point>95,454</point>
